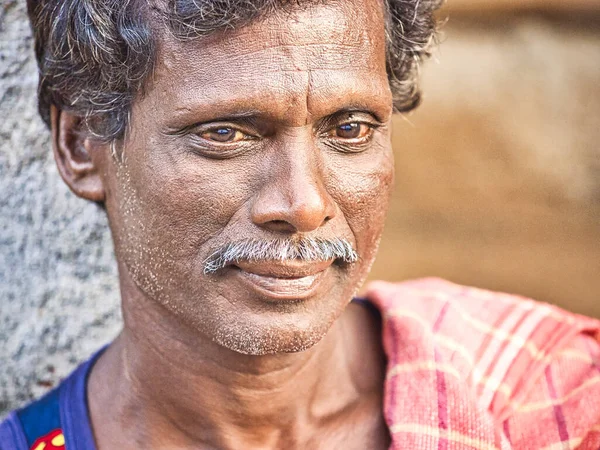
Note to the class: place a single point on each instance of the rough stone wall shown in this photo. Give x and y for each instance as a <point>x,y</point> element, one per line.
<point>58,290</point>
<point>497,186</point>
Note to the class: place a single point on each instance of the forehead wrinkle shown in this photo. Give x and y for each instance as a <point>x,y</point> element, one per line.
<point>226,71</point>
<point>317,30</point>
<point>298,98</point>
<point>203,63</point>
<point>249,88</point>
<point>282,55</point>
<point>295,97</point>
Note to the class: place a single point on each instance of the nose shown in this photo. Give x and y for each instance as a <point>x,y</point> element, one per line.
<point>294,198</point>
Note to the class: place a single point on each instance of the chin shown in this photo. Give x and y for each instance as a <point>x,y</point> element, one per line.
<point>269,335</point>
<point>251,320</point>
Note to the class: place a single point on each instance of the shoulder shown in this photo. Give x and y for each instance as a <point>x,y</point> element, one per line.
<point>57,420</point>
<point>427,295</point>
<point>468,314</point>
<point>36,426</point>
<point>517,359</point>
<point>497,334</point>
<point>11,434</point>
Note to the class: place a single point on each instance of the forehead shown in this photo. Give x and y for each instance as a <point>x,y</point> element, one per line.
<point>313,57</point>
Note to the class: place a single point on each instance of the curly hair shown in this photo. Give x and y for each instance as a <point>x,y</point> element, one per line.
<point>95,56</point>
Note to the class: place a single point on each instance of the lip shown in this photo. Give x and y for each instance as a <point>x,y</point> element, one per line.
<point>288,280</point>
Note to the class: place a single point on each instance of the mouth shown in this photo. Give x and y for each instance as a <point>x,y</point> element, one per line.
<point>283,280</point>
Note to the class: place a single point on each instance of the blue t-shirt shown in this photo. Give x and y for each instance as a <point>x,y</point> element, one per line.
<point>56,421</point>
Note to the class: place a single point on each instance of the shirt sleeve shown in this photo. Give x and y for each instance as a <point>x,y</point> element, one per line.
<point>562,408</point>
<point>11,434</point>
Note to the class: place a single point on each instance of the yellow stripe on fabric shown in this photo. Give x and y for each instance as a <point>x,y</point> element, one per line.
<point>564,445</point>
<point>495,385</point>
<point>479,325</point>
<point>471,293</point>
<point>489,382</point>
<point>397,312</point>
<point>454,346</point>
<point>570,353</point>
<point>451,344</point>
<point>445,341</point>
<point>501,364</point>
<point>417,366</point>
<point>501,334</point>
<point>535,406</point>
<point>451,435</point>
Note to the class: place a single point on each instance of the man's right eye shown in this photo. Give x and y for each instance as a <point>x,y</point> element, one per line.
<point>223,135</point>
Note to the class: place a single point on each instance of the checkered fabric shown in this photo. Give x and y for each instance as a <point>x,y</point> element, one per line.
<point>472,369</point>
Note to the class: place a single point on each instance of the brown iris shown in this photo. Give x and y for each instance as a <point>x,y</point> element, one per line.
<point>352,130</point>
<point>223,135</point>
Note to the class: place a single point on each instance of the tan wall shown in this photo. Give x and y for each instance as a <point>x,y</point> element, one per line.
<point>461,6</point>
<point>498,173</point>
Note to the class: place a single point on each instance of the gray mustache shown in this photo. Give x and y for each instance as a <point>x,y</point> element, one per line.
<point>306,249</point>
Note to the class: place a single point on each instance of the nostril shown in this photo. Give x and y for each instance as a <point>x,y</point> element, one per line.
<point>280,226</point>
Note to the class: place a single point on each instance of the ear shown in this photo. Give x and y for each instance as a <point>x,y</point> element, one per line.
<point>73,153</point>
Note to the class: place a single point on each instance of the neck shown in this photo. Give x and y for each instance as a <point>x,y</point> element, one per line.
<point>171,387</point>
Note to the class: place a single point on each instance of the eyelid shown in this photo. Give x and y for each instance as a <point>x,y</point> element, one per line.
<point>237,136</point>
<point>247,123</point>
<point>214,149</point>
<point>355,140</point>
<point>350,116</point>
<point>200,129</point>
<point>372,127</point>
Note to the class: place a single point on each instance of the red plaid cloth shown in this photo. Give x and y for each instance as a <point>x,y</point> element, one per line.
<point>472,369</point>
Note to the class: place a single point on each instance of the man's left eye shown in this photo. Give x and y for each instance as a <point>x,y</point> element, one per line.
<point>223,135</point>
<point>352,130</point>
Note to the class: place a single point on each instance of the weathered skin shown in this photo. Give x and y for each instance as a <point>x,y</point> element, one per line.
<point>212,361</point>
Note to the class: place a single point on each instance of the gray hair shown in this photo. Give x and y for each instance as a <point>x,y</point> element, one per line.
<point>95,56</point>
<point>305,249</point>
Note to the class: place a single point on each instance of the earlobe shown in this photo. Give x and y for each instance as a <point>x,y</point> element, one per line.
<point>74,158</point>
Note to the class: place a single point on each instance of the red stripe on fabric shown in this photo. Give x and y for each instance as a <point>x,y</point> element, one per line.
<point>391,394</point>
<point>561,423</point>
<point>438,322</point>
<point>441,384</point>
<point>442,395</point>
<point>507,431</point>
<point>590,350</point>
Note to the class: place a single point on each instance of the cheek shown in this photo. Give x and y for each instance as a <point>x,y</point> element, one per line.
<point>191,198</point>
<point>362,191</point>
<point>171,209</point>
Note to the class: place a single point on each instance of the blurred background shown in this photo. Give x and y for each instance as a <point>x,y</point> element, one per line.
<point>498,172</point>
<point>498,184</point>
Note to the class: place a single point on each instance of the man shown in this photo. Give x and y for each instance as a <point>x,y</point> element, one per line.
<point>242,152</point>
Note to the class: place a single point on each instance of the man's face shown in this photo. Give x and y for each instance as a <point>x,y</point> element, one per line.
<point>277,131</point>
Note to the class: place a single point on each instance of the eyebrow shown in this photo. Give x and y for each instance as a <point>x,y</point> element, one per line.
<point>230,102</point>
<point>244,116</point>
<point>252,117</point>
<point>358,109</point>
<point>232,111</point>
